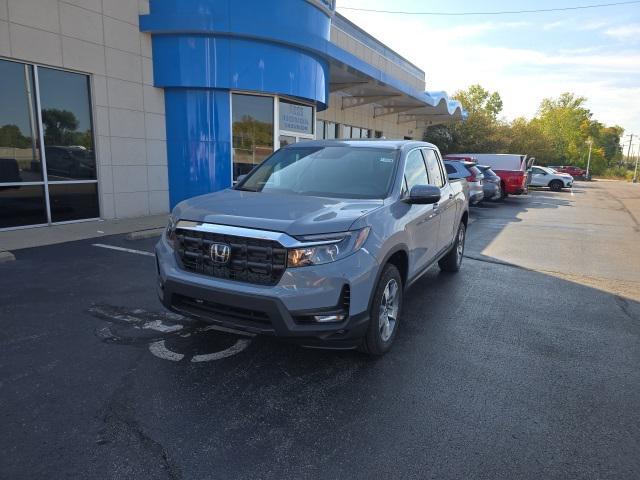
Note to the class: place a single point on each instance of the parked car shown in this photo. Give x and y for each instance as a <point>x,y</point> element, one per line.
<point>511,168</point>
<point>458,169</point>
<point>491,183</point>
<point>570,170</point>
<point>317,243</point>
<point>547,177</point>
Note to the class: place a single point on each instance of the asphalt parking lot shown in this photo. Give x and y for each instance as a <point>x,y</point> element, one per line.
<point>524,365</point>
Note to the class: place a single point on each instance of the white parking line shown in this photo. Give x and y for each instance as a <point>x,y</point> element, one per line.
<point>120,249</point>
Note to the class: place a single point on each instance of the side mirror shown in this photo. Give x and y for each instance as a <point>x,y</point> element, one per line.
<point>424,195</point>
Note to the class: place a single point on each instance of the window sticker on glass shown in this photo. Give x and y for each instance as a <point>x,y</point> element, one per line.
<point>386,159</point>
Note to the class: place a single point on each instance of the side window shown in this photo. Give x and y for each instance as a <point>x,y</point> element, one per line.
<point>433,166</point>
<point>415,172</point>
<point>450,169</point>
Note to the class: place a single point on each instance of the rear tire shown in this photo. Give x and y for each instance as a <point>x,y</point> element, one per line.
<point>556,185</point>
<point>453,260</point>
<point>503,193</point>
<point>384,316</point>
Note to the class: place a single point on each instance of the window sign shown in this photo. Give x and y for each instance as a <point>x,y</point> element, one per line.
<point>296,118</point>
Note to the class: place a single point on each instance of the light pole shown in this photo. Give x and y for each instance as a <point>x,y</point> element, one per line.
<point>590,142</point>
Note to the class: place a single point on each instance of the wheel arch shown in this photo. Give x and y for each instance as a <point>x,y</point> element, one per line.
<point>399,257</point>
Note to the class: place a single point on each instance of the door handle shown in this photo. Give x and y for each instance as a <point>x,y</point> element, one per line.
<point>450,196</point>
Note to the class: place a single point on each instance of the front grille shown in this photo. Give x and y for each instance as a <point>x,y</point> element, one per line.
<point>252,260</point>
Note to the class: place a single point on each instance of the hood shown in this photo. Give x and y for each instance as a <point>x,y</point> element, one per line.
<point>291,214</point>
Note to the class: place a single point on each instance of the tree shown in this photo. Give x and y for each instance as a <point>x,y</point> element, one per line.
<point>60,127</point>
<point>478,100</point>
<point>11,136</point>
<point>558,134</point>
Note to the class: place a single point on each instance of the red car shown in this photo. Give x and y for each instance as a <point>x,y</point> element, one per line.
<point>511,168</point>
<point>571,170</point>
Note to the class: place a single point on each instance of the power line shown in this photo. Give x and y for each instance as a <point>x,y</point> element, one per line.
<point>503,12</point>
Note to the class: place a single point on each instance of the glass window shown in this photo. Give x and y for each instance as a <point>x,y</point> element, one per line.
<point>450,169</point>
<point>366,133</point>
<point>378,134</point>
<point>346,131</point>
<point>295,118</point>
<point>252,131</point>
<point>286,140</point>
<point>73,201</point>
<point>336,172</point>
<point>22,205</point>
<point>433,166</point>
<point>320,130</point>
<point>355,132</point>
<point>414,171</point>
<point>330,130</point>
<point>67,124</point>
<point>19,145</point>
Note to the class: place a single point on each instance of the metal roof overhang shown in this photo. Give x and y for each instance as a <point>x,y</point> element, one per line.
<point>363,84</point>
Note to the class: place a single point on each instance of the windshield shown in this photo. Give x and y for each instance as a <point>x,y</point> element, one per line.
<point>333,171</point>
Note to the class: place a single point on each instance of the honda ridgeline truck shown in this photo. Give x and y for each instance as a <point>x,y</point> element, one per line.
<point>317,244</point>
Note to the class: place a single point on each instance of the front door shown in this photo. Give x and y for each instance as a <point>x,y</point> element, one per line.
<point>538,177</point>
<point>423,222</point>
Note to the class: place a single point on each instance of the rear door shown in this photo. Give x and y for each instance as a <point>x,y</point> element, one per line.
<point>422,221</point>
<point>446,208</point>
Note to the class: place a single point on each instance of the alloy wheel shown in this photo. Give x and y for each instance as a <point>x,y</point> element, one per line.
<point>389,307</point>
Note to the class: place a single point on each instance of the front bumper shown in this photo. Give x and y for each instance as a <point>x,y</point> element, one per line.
<point>283,310</point>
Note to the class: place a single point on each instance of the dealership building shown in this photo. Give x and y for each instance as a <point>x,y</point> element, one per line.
<point>122,108</point>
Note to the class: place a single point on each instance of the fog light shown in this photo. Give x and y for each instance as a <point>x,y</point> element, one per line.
<point>337,317</point>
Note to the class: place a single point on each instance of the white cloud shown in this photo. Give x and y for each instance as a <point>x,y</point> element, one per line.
<point>454,58</point>
<point>552,25</point>
<point>624,32</point>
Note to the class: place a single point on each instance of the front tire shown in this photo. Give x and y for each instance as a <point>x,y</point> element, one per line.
<point>453,260</point>
<point>384,316</point>
<point>556,185</point>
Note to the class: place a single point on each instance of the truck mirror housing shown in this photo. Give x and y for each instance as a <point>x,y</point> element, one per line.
<point>424,195</point>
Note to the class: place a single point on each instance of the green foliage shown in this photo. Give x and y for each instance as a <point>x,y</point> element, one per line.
<point>557,135</point>
<point>477,100</point>
<point>11,136</point>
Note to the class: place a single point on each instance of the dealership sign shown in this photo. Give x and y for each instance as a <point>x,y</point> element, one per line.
<point>296,118</point>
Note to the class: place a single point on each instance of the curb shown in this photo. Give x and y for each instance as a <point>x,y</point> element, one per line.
<point>6,257</point>
<point>143,234</point>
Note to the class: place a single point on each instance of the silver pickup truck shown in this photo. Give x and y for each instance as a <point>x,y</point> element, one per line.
<point>317,244</point>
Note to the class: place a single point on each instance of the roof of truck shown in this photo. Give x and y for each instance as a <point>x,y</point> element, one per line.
<point>365,142</point>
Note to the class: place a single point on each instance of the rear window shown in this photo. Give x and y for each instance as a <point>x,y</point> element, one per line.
<point>474,170</point>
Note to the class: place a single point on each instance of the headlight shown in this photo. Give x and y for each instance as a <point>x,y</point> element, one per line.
<point>327,248</point>
<point>170,232</point>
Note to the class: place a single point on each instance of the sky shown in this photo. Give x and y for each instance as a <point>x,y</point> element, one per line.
<point>525,57</point>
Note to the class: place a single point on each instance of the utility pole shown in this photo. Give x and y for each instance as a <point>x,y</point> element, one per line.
<point>590,142</point>
<point>629,150</point>
<point>635,173</point>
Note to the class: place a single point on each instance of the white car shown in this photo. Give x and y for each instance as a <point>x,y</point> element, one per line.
<point>548,177</point>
